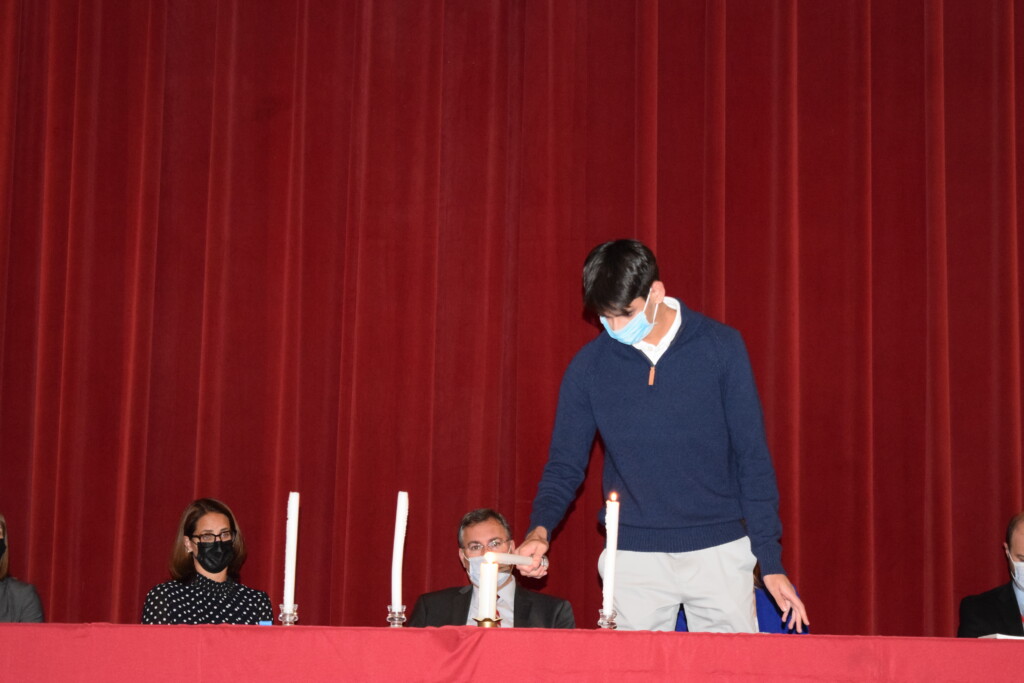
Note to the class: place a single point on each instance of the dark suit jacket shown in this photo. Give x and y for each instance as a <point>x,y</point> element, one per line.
<point>450,607</point>
<point>994,611</point>
<point>19,602</point>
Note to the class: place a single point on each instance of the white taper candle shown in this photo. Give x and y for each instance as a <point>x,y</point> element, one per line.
<point>291,543</point>
<point>611,527</point>
<point>507,558</point>
<point>401,517</point>
<point>487,604</point>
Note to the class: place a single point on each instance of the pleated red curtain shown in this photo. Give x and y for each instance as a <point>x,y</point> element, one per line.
<point>254,247</point>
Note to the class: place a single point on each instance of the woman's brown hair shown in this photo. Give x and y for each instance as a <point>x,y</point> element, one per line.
<point>181,565</point>
<point>3,558</point>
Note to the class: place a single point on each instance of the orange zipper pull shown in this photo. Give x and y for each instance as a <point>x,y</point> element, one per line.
<point>650,377</point>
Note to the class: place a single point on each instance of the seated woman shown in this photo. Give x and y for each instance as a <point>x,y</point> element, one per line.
<point>207,555</point>
<point>18,600</point>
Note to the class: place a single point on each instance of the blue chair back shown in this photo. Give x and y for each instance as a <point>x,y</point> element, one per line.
<point>769,616</point>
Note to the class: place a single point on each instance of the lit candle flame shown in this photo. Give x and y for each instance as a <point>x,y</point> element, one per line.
<point>614,496</point>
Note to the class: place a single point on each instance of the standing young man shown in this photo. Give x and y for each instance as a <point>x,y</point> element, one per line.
<point>672,393</point>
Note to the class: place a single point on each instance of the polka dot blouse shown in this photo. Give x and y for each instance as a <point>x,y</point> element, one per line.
<point>202,601</point>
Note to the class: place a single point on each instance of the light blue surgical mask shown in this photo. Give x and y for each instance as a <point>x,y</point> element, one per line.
<point>504,571</point>
<point>1018,572</point>
<point>636,329</point>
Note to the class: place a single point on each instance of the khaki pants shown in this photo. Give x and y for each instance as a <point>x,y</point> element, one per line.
<point>714,585</point>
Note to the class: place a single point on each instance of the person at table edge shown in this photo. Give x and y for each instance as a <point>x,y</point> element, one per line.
<point>1000,610</point>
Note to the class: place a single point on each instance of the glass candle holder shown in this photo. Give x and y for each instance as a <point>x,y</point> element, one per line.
<point>288,617</point>
<point>396,615</point>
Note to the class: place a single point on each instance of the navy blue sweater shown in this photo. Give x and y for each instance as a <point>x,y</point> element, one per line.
<point>686,455</point>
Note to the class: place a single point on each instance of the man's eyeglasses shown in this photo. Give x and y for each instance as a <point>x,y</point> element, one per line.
<point>492,545</point>
<point>210,538</point>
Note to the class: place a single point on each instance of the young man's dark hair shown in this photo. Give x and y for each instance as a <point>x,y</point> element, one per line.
<point>615,273</point>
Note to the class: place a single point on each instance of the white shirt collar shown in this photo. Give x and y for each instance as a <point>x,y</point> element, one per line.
<point>655,351</point>
<point>506,604</point>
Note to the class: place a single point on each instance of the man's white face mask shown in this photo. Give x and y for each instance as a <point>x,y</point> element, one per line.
<point>473,569</point>
<point>1018,571</point>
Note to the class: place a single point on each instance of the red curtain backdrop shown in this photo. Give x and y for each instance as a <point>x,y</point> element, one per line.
<point>335,247</point>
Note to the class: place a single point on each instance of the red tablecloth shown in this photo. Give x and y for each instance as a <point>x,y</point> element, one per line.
<point>217,654</point>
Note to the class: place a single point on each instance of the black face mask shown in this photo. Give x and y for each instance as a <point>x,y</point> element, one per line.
<point>216,556</point>
<point>3,546</point>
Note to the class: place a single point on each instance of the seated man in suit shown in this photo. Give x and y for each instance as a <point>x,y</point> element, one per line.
<point>1000,610</point>
<point>482,531</point>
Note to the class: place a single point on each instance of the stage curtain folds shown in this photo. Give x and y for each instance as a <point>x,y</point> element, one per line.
<point>248,247</point>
